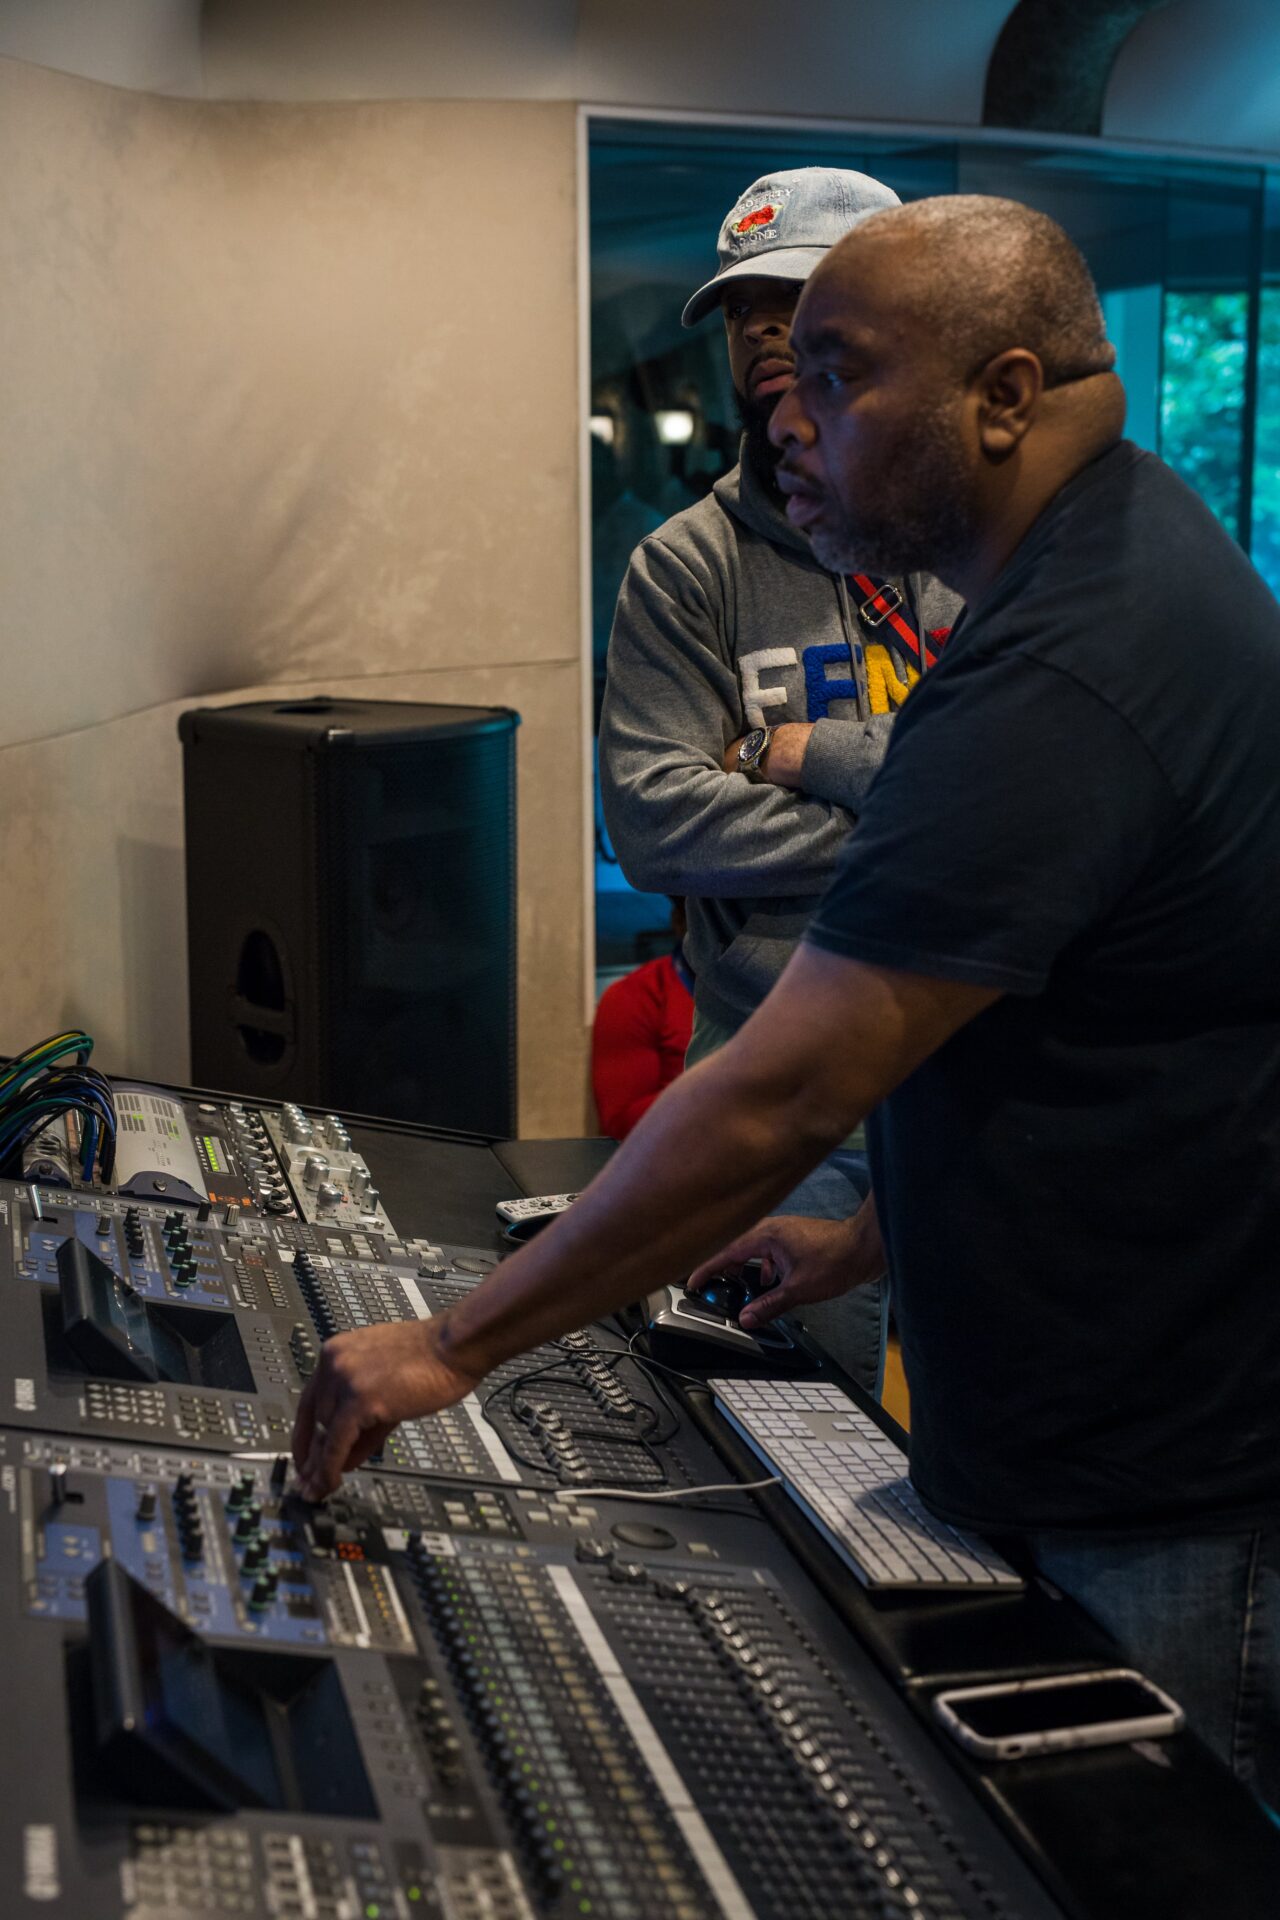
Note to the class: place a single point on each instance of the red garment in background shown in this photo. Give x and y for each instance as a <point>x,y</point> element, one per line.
<point>638,1044</point>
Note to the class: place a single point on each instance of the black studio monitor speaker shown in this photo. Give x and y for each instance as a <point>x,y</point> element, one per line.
<point>351,918</point>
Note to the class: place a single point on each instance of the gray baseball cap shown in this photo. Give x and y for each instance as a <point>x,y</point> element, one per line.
<point>784,224</point>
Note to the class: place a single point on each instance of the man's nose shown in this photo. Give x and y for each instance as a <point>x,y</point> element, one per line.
<point>788,422</point>
<point>767,326</point>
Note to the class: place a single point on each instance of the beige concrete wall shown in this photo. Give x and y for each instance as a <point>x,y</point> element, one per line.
<point>289,402</point>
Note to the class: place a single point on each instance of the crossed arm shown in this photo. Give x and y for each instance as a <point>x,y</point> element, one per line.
<point>670,729</point>
<point>721,1147</point>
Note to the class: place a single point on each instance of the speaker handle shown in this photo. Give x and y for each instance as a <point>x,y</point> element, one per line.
<point>269,1018</point>
<point>249,1013</point>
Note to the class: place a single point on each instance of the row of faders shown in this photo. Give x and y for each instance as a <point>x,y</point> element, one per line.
<point>220,1700</point>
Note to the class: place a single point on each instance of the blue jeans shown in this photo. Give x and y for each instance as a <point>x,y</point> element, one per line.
<point>852,1329</point>
<point>1199,1615</point>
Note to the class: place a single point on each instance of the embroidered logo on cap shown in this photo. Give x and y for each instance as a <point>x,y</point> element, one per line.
<point>759,218</point>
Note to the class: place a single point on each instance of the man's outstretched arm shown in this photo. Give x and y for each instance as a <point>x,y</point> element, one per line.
<point>716,1152</point>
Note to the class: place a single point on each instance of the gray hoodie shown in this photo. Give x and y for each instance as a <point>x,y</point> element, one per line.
<point>726,621</point>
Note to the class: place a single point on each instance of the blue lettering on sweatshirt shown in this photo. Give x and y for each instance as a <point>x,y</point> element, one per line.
<point>819,690</point>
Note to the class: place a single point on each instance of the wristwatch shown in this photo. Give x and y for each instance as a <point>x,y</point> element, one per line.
<point>754,747</point>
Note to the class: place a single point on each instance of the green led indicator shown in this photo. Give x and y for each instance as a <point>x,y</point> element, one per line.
<point>414,1893</point>
<point>372,1910</point>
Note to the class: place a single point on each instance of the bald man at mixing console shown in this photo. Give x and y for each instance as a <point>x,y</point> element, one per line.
<point>1048,968</point>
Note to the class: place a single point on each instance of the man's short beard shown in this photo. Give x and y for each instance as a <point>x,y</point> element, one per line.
<point>937,544</point>
<point>754,417</point>
<point>922,518</point>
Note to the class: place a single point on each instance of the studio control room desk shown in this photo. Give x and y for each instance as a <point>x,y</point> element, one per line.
<point>1163,1831</point>
<point>754,1731</point>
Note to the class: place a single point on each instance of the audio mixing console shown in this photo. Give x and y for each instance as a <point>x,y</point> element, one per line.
<point>150,1324</point>
<point>473,1685</point>
<point>187,1151</point>
<point>468,1706</point>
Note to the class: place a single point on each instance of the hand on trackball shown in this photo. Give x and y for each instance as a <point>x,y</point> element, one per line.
<point>367,1382</point>
<point>801,1261</point>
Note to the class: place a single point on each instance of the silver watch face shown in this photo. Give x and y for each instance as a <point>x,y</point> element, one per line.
<point>752,747</point>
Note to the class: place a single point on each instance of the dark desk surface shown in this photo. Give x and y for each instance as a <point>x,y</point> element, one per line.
<point>445,1189</point>
<point>1114,1833</point>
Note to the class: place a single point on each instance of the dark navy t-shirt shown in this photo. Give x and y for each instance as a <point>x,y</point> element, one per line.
<point>1080,1192</point>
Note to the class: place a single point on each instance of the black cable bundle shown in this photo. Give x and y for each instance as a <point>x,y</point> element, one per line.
<point>49,1079</point>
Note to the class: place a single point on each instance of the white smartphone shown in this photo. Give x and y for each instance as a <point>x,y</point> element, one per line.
<point>1007,1720</point>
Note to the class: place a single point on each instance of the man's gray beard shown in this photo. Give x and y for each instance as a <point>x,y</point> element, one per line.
<point>845,550</point>
<point>926,527</point>
<point>923,516</point>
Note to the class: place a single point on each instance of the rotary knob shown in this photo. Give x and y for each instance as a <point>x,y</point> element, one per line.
<point>247,1523</point>
<point>328,1194</point>
<point>314,1168</point>
<point>242,1492</point>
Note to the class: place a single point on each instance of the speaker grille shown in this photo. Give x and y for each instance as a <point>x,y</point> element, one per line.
<point>422,935</point>
<point>351,875</point>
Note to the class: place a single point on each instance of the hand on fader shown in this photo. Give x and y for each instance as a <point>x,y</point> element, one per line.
<point>801,1261</point>
<point>366,1383</point>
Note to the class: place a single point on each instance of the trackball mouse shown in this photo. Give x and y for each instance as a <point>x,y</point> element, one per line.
<point>726,1294</point>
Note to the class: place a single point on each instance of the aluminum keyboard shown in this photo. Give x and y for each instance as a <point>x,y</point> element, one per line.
<point>850,1480</point>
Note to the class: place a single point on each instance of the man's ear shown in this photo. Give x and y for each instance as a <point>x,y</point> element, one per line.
<point>1008,392</point>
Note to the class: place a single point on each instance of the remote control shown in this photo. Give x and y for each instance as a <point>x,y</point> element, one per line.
<point>536,1204</point>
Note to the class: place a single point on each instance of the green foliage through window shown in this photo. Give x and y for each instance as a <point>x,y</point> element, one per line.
<point>1266,462</point>
<point>1202,391</point>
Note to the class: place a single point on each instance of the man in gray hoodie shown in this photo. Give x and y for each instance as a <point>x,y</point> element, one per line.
<point>751,692</point>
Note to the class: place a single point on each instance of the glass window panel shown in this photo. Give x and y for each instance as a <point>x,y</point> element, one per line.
<point>1266,459</point>
<point>1202,395</point>
<point>1172,244</point>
